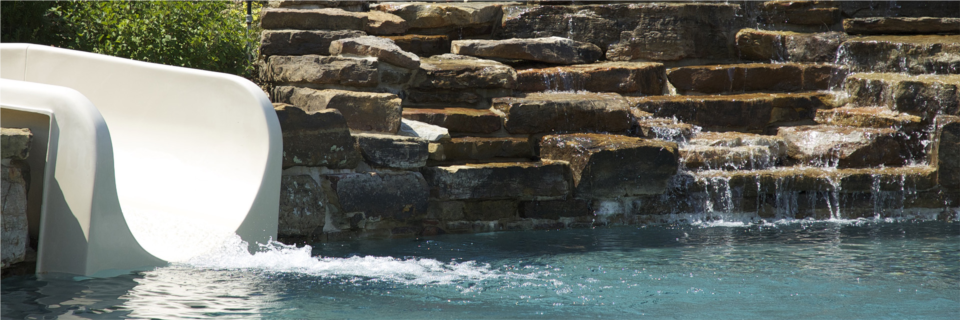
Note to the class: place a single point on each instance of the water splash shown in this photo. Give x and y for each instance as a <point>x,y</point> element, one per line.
<point>281,258</point>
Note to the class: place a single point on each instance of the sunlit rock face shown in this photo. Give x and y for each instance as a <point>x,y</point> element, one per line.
<point>317,138</point>
<point>540,115</point>
<point>564,112</point>
<point>15,177</point>
<point>847,147</point>
<point>554,50</point>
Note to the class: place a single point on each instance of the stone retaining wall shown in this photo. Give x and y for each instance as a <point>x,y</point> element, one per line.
<point>421,118</point>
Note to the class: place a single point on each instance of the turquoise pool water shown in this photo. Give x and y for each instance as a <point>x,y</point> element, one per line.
<point>861,269</point>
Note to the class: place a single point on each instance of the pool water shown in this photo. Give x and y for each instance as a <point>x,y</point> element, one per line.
<point>851,269</point>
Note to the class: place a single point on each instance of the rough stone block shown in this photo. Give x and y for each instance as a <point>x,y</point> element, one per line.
<point>381,48</point>
<point>422,45</point>
<point>901,25</point>
<point>668,129</point>
<point>858,9</point>
<point>304,206</point>
<point>425,131</point>
<point>457,119</point>
<point>319,138</point>
<point>422,15</point>
<point>321,70</point>
<point>392,151</point>
<point>382,23</point>
<point>743,112</point>
<point>364,111</point>
<point>478,148</point>
<point>674,31</point>
<point>817,13</point>
<point>925,96</point>
<point>489,210</point>
<point>554,209</point>
<point>395,196</point>
<point>441,98</point>
<point>301,42</point>
<point>756,44</point>
<point>873,117</point>
<point>924,54</point>
<point>14,237</point>
<point>491,181</point>
<point>565,112</point>
<point>755,77</point>
<point>16,143</point>
<point>645,78</point>
<point>450,71</point>
<point>611,166</point>
<point>312,19</point>
<point>848,147</point>
<point>550,50</point>
<point>631,31</point>
<point>948,152</point>
<point>695,157</point>
<point>738,139</point>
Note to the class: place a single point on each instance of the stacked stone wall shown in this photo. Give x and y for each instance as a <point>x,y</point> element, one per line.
<point>420,118</point>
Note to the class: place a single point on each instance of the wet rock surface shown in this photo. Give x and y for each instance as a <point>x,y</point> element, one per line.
<point>565,112</point>
<point>848,147</point>
<point>554,209</point>
<point>459,120</point>
<point>597,163</point>
<point>925,96</point>
<point>948,152</point>
<point>646,78</point>
<point>392,151</point>
<point>921,54</point>
<point>902,25</point>
<point>381,48</point>
<point>754,77</point>
<point>510,180</point>
<point>398,195</point>
<point>364,111</point>
<point>321,70</point>
<point>317,138</point>
<point>668,129</point>
<point>304,206</point>
<point>744,112</point>
<point>754,44</point>
<point>555,50</point>
<point>302,42</point>
<point>875,117</point>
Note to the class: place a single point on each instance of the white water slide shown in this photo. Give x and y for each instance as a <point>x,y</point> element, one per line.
<point>136,164</point>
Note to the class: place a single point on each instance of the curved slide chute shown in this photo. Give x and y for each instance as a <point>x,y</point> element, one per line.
<point>142,163</point>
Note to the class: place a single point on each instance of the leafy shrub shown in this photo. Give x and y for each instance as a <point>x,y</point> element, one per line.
<point>209,35</point>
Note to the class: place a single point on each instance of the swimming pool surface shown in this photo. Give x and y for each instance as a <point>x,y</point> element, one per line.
<point>852,269</point>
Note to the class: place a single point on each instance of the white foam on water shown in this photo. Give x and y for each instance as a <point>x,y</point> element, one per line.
<point>278,257</point>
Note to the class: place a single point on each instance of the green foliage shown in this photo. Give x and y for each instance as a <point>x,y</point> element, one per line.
<point>208,35</point>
